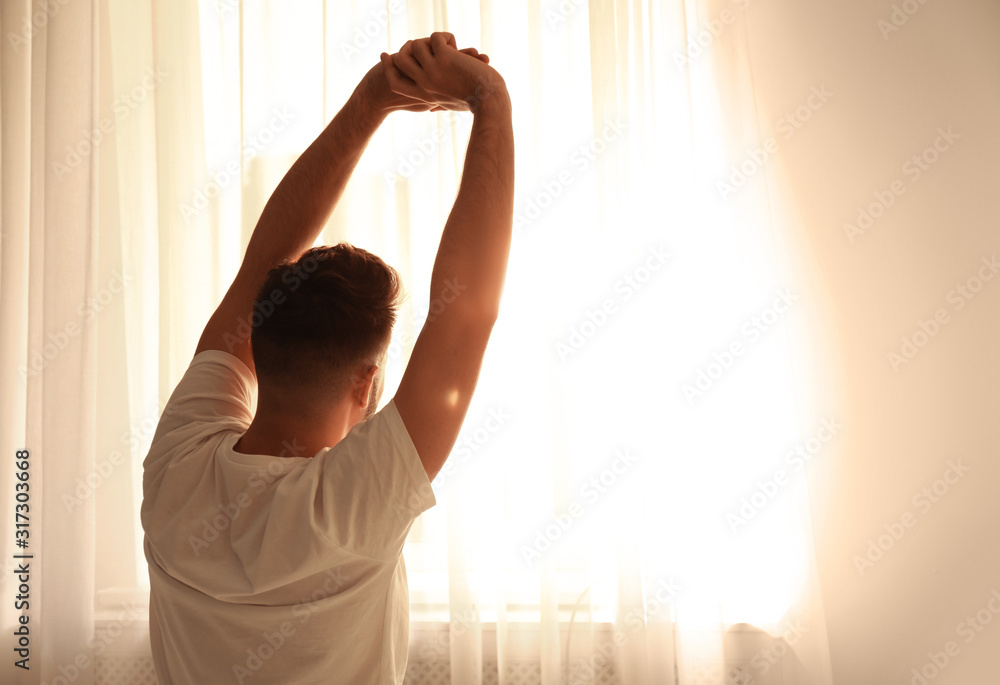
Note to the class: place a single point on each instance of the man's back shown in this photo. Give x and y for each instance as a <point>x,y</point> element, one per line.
<point>284,569</point>
<point>287,568</point>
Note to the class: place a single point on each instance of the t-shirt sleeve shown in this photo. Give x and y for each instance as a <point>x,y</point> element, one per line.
<point>372,486</point>
<point>215,394</point>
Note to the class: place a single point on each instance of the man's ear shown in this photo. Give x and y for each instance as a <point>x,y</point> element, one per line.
<point>361,386</point>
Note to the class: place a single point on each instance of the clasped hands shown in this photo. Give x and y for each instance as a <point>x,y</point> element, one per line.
<point>432,74</point>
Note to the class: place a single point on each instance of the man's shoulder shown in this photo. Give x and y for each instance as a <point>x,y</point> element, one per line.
<point>222,358</point>
<point>216,394</point>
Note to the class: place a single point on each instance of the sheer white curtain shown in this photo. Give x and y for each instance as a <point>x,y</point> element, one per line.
<point>48,257</point>
<point>627,502</point>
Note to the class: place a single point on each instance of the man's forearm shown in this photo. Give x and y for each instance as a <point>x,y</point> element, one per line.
<point>302,203</point>
<point>475,244</point>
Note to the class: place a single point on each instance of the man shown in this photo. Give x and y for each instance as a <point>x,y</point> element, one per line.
<point>274,538</point>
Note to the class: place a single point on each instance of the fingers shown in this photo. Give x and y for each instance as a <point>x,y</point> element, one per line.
<point>396,80</point>
<point>410,71</point>
<point>472,52</point>
<point>422,53</point>
<point>441,40</point>
<point>410,47</point>
<point>408,66</point>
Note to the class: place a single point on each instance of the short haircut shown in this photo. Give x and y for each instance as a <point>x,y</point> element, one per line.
<point>333,313</point>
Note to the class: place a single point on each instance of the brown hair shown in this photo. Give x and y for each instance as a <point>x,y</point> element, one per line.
<point>333,312</point>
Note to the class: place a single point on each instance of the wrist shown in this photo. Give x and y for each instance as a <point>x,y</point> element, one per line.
<point>490,97</point>
<point>371,99</point>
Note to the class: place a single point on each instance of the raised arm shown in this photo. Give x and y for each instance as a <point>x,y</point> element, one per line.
<point>438,382</point>
<point>304,200</point>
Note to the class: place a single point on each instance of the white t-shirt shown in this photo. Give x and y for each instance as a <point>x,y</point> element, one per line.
<point>267,569</point>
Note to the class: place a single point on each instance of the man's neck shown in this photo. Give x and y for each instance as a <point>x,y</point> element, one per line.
<point>290,438</point>
<point>249,444</point>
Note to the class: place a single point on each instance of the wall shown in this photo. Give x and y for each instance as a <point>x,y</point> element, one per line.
<point>904,423</point>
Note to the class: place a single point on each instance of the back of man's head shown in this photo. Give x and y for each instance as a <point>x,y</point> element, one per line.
<point>334,309</point>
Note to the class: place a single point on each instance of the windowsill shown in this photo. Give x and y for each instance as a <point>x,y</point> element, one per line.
<point>121,604</point>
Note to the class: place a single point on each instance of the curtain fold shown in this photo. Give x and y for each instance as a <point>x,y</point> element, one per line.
<point>131,201</point>
<point>49,251</point>
<point>585,529</point>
